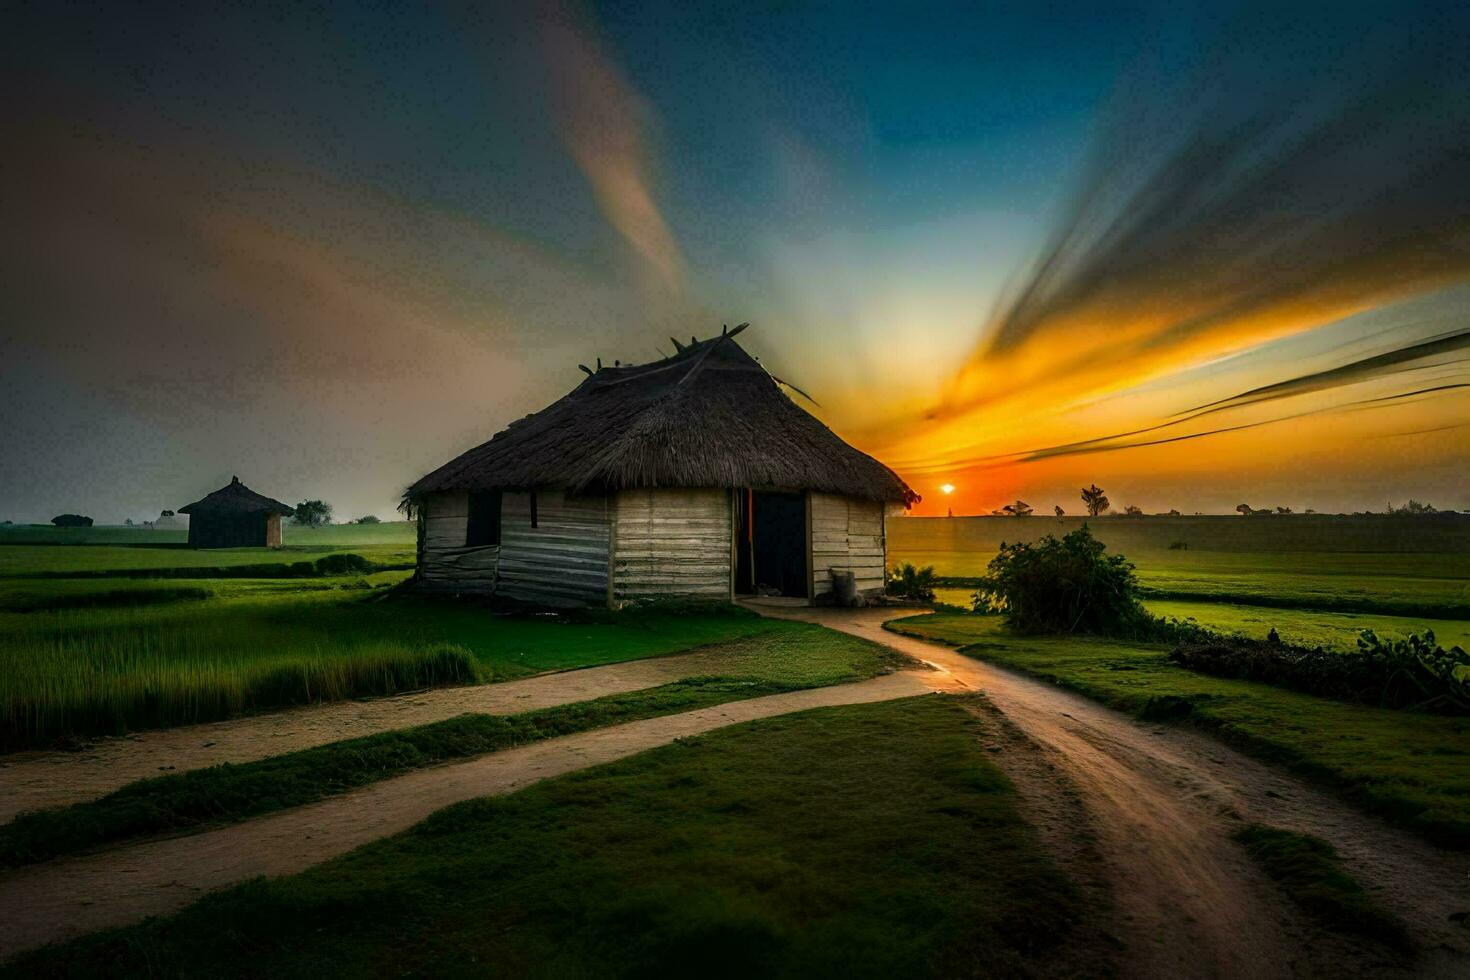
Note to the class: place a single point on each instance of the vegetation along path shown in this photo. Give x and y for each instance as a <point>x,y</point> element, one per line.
<point>1163,803</point>
<point>71,897</point>
<point>38,780</point>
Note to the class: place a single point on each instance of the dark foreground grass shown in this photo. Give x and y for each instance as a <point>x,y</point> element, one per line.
<point>1309,871</point>
<point>872,840</point>
<point>54,600</point>
<point>228,793</point>
<point>1413,769</point>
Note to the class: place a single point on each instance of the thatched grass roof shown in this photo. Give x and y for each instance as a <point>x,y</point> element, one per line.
<point>236,498</point>
<point>709,416</point>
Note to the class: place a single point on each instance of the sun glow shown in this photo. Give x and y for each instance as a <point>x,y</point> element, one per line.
<point>947,489</point>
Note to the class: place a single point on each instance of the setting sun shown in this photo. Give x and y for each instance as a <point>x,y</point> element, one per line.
<point>947,488</point>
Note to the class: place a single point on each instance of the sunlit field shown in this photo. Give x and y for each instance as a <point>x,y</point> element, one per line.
<point>1391,565</point>
<point>1314,581</point>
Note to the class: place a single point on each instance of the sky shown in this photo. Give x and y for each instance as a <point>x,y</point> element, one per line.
<point>1199,256</point>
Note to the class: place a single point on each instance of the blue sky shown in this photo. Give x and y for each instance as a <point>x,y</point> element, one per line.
<point>328,247</point>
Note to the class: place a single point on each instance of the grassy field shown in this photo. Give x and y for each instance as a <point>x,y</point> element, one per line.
<point>1412,768</point>
<point>873,840</point>
<point>92,671</point>
<point>173,561</point>
<point>1302,626</point>
<point>1306,627</point>
<point>399,533</point>
<point>1390,565</point>
<point>772,663</point>
<point>108,630</point>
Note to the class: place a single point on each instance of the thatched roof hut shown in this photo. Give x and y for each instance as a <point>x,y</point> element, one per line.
<point>687,457</point>
<point>234,516</point>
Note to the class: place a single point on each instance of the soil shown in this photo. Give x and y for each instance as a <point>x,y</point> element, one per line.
<point>1140,814</point>
<point>40,780</point>
<point>71,897</point>
<point>1155,808</point>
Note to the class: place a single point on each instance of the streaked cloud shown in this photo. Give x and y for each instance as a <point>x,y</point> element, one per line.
<point>1265,196</point>
<point>604,122</point>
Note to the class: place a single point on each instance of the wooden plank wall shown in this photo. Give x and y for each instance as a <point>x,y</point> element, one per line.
<point>847,534</point>
<point>563,560</point>
<point>444,561</point>
<point>672,543</point>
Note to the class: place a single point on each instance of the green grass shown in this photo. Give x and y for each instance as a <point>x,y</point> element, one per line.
<point>36,561</point>
<point>1411,768</point>
<point>106,670</point>
<point>753,667</point>
<point>1322,533</point>
<point>1339,630</point>
<point>1310,872</point>
<point>397,533</point>
<point>1391,566</point>
<point>873,840</point>
<point>123,551</point>
<point>126,594</point>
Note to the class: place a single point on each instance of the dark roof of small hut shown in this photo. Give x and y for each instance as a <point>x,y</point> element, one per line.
<point>708,416</point>
<point>236,498</point>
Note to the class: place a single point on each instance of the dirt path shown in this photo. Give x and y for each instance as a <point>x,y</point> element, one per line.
<point>37,780</point>
<point>67,898</point>
<point>1161,803</point>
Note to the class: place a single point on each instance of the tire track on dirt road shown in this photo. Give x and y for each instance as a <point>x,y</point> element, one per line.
<point>40,780</point>
<point>1163,802</point>
<point>71,897</point>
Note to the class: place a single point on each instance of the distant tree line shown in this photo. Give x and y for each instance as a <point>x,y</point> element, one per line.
<point>1095,502</point>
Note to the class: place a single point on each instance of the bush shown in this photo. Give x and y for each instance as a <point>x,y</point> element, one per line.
<point>907,582</point>
<point>71,520</point>
<point>339,563</point>
<point>1410,674</point>
<point>1069,585</point>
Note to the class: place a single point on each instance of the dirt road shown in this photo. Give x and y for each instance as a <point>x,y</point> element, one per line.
<point>1160,804</point>
<point>38,780</point>
<point>62,899</point>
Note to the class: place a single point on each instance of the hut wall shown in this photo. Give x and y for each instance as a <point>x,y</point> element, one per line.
<point>848,534</point>
<point>444,561</point>
<point>273,531</point>
<point>671,544</point>
<point>214,529</point>
<point>563,560</point>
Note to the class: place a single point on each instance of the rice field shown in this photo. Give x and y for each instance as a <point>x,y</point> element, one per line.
<point>72,686</point>
<point>106,638</point>
<point>1347,564</point>
<point>103,636</point>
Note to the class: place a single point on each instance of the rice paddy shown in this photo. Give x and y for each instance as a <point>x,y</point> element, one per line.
<point>105,653</point>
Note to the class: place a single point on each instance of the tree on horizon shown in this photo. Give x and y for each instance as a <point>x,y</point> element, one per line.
<point>313,513</point>
<point>1095,500</point>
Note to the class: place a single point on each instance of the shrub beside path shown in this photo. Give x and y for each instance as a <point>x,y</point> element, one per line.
<point>63,899</point>
<point>40,780</point>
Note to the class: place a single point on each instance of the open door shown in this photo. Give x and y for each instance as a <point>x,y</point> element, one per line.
<point>771,543</point>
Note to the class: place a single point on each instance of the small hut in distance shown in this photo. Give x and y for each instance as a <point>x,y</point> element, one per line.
<point>234,516</point>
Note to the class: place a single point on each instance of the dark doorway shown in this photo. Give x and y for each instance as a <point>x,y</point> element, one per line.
<point>770,546</point>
